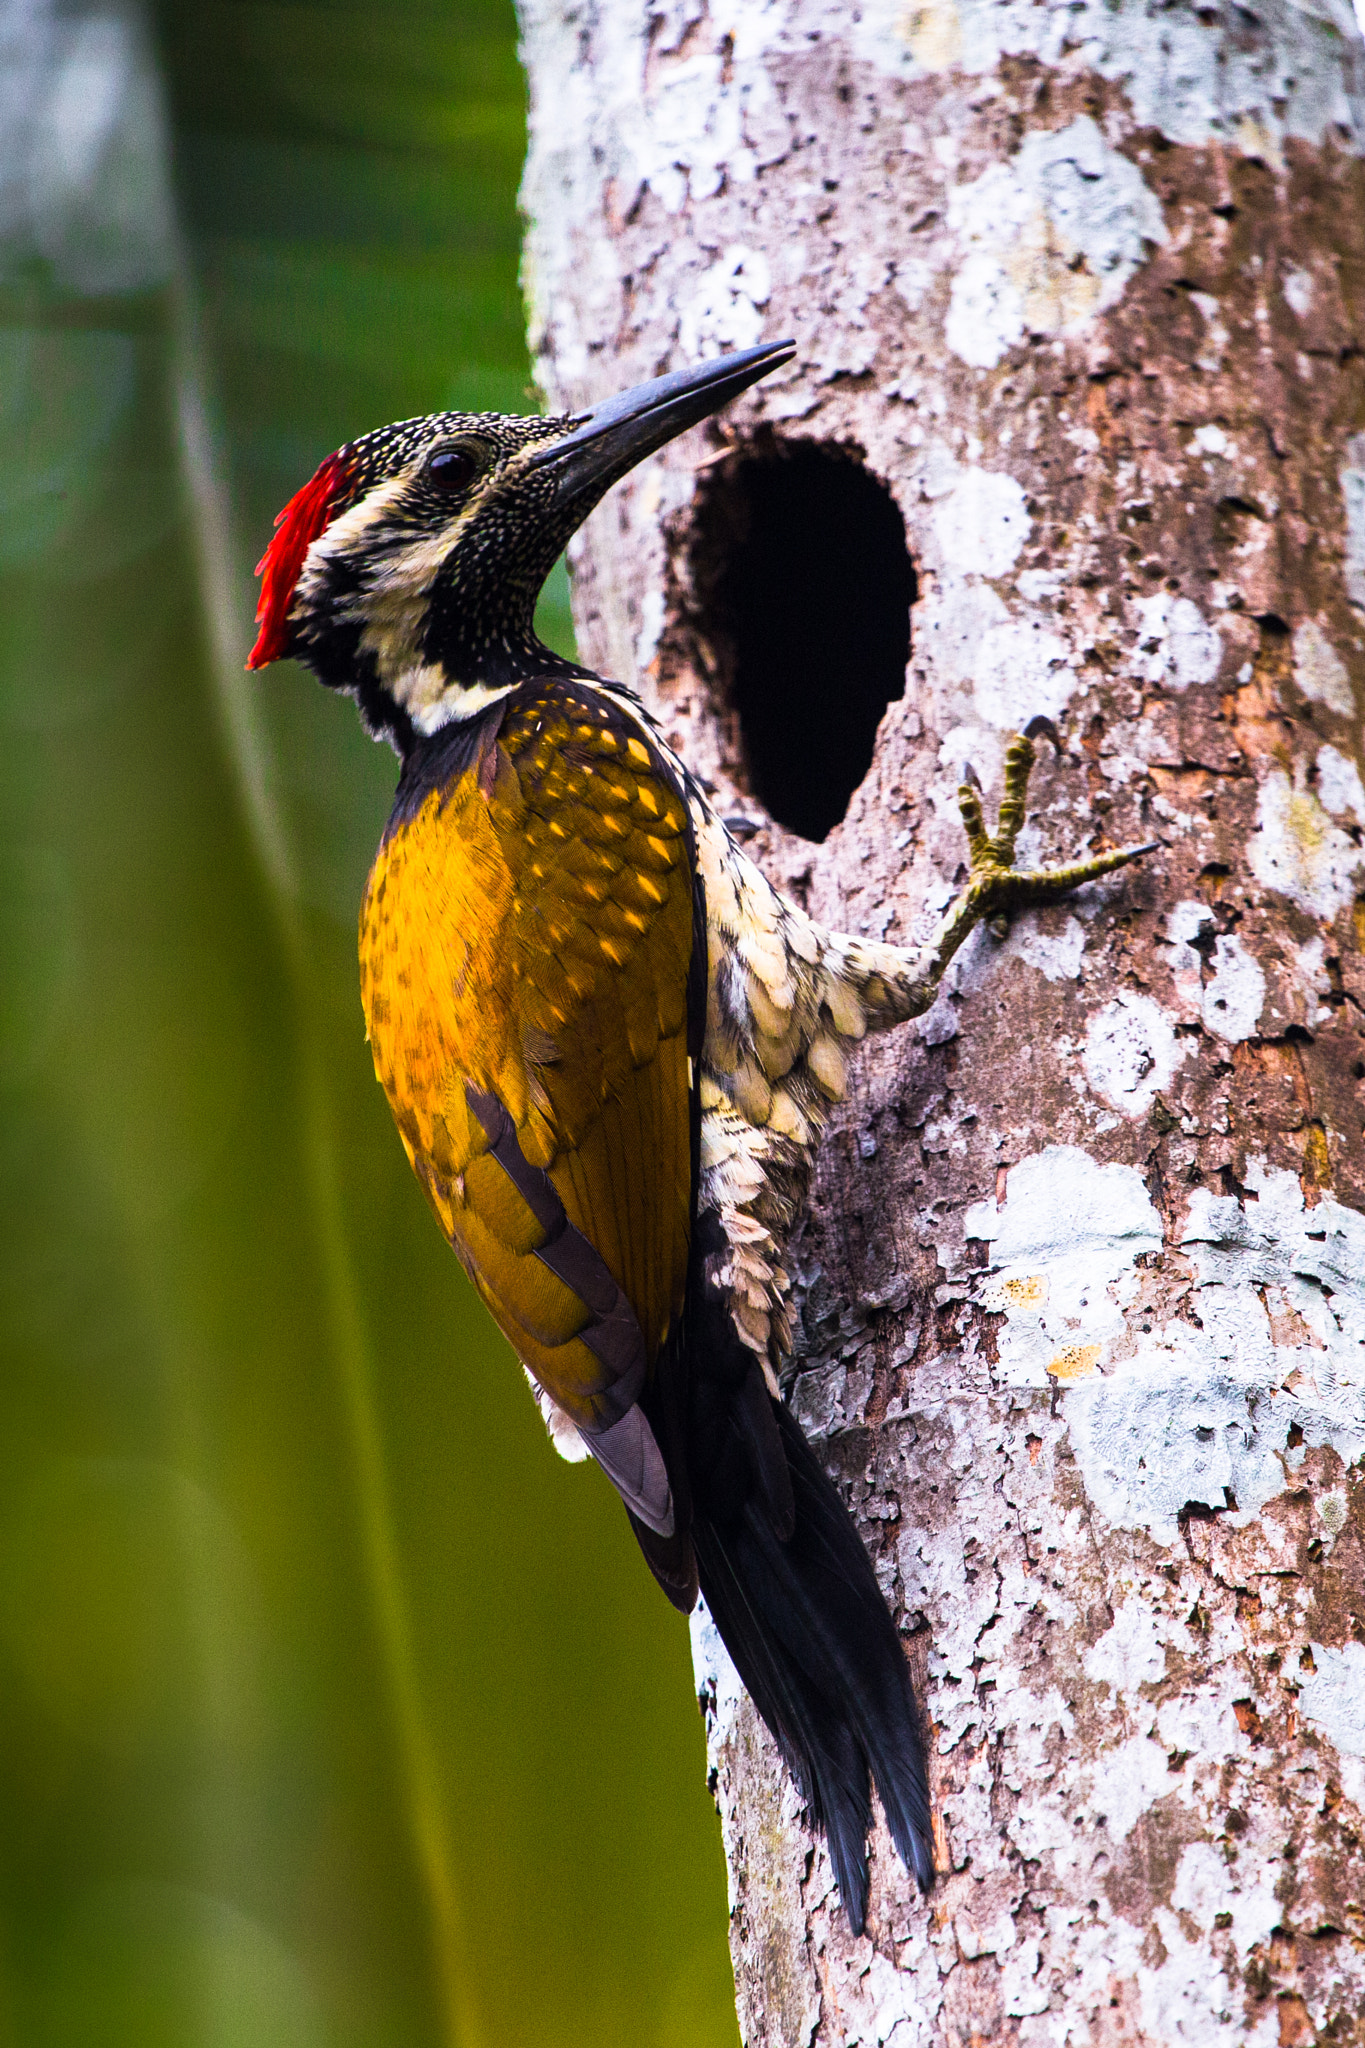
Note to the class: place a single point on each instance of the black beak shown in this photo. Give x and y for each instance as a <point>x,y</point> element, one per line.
<point>623,430</point>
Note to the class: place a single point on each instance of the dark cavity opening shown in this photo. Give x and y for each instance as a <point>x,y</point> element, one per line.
<point>805,587</point>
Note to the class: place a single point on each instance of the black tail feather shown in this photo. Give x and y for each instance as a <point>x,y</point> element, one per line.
<point>818,1747</point>
<point>810,1634</point>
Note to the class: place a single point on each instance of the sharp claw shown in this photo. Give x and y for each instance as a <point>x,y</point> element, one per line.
<point>970,776</point>
<point>996,887</point>
<point>1042,728</point>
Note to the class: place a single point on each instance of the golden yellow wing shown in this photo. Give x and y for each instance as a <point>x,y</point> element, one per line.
<point>525,944</point>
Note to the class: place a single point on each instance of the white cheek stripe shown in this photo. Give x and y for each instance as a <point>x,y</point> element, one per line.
<point>353,524</point>
<point>392,605</point>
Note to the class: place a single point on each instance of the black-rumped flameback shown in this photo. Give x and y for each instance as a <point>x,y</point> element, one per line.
<point>611,1047</point>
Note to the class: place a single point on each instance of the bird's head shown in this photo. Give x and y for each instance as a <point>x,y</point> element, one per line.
<point>406,571</point>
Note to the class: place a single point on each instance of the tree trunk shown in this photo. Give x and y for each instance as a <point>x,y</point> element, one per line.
<point>1082,1292</point>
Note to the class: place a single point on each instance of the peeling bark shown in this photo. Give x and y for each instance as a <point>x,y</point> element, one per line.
<point>1082,1291</point>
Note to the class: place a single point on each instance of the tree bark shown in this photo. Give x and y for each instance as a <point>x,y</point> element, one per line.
<point>1082,1291</point>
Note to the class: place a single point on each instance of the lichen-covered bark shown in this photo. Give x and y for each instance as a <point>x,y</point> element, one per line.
<point>1083,1288</point>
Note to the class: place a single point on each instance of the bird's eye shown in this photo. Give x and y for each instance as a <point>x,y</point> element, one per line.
<point>453,469</point>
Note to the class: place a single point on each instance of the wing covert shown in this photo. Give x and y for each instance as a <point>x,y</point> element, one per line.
<point>525,945</point>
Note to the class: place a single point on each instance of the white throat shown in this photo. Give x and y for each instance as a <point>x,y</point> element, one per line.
<point>432,701</point>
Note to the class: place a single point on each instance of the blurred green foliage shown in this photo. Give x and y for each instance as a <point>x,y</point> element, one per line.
<point>334,1709</point>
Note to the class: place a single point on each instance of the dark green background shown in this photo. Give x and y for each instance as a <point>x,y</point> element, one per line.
<point>333,1707</point>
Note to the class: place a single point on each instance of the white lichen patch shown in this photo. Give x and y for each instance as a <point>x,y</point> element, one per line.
<point>1320,671</point>
<point>982,523</point>
<point>1057,955</point>
<point>1207,1885</point>
<point>829,1399</point>
<point>1126,1780</point>
<point>1188,1998</point>
<point>1332,1696</point>
<point>1162,1433</point>
<point>1185,923</point>
<point>725,309</point>
<point>1177,645</point>
<point>1128,1655</point>
<point>1131,1053</point>
<point>692,136</point>
<point>1340,790</point>
<point>1298,292</point>
<point>1297,850</point>
<point>1234,995</point>
<point>1210,439</point>
<point>1216,979</point>
<point>1049,239</point>
<point>1069,1232</point>
<point>1203,1719</point>
<point>1011,666</point>
<point>1198,1413</point>
<point>1352,476</point>
<point>1022,669</point>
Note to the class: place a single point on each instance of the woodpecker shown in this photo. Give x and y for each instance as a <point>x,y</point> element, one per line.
<point>611,1047</point>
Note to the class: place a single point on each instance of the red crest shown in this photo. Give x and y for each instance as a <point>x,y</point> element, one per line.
<point>308,513</point>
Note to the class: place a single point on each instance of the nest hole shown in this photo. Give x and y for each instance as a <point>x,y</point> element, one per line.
<point>804,583</point>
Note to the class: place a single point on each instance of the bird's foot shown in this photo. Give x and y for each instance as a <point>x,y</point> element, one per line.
<point>898,985</point>
<point>996,888</point>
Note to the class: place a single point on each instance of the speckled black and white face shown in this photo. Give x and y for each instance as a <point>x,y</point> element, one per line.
<point>415,593</point>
